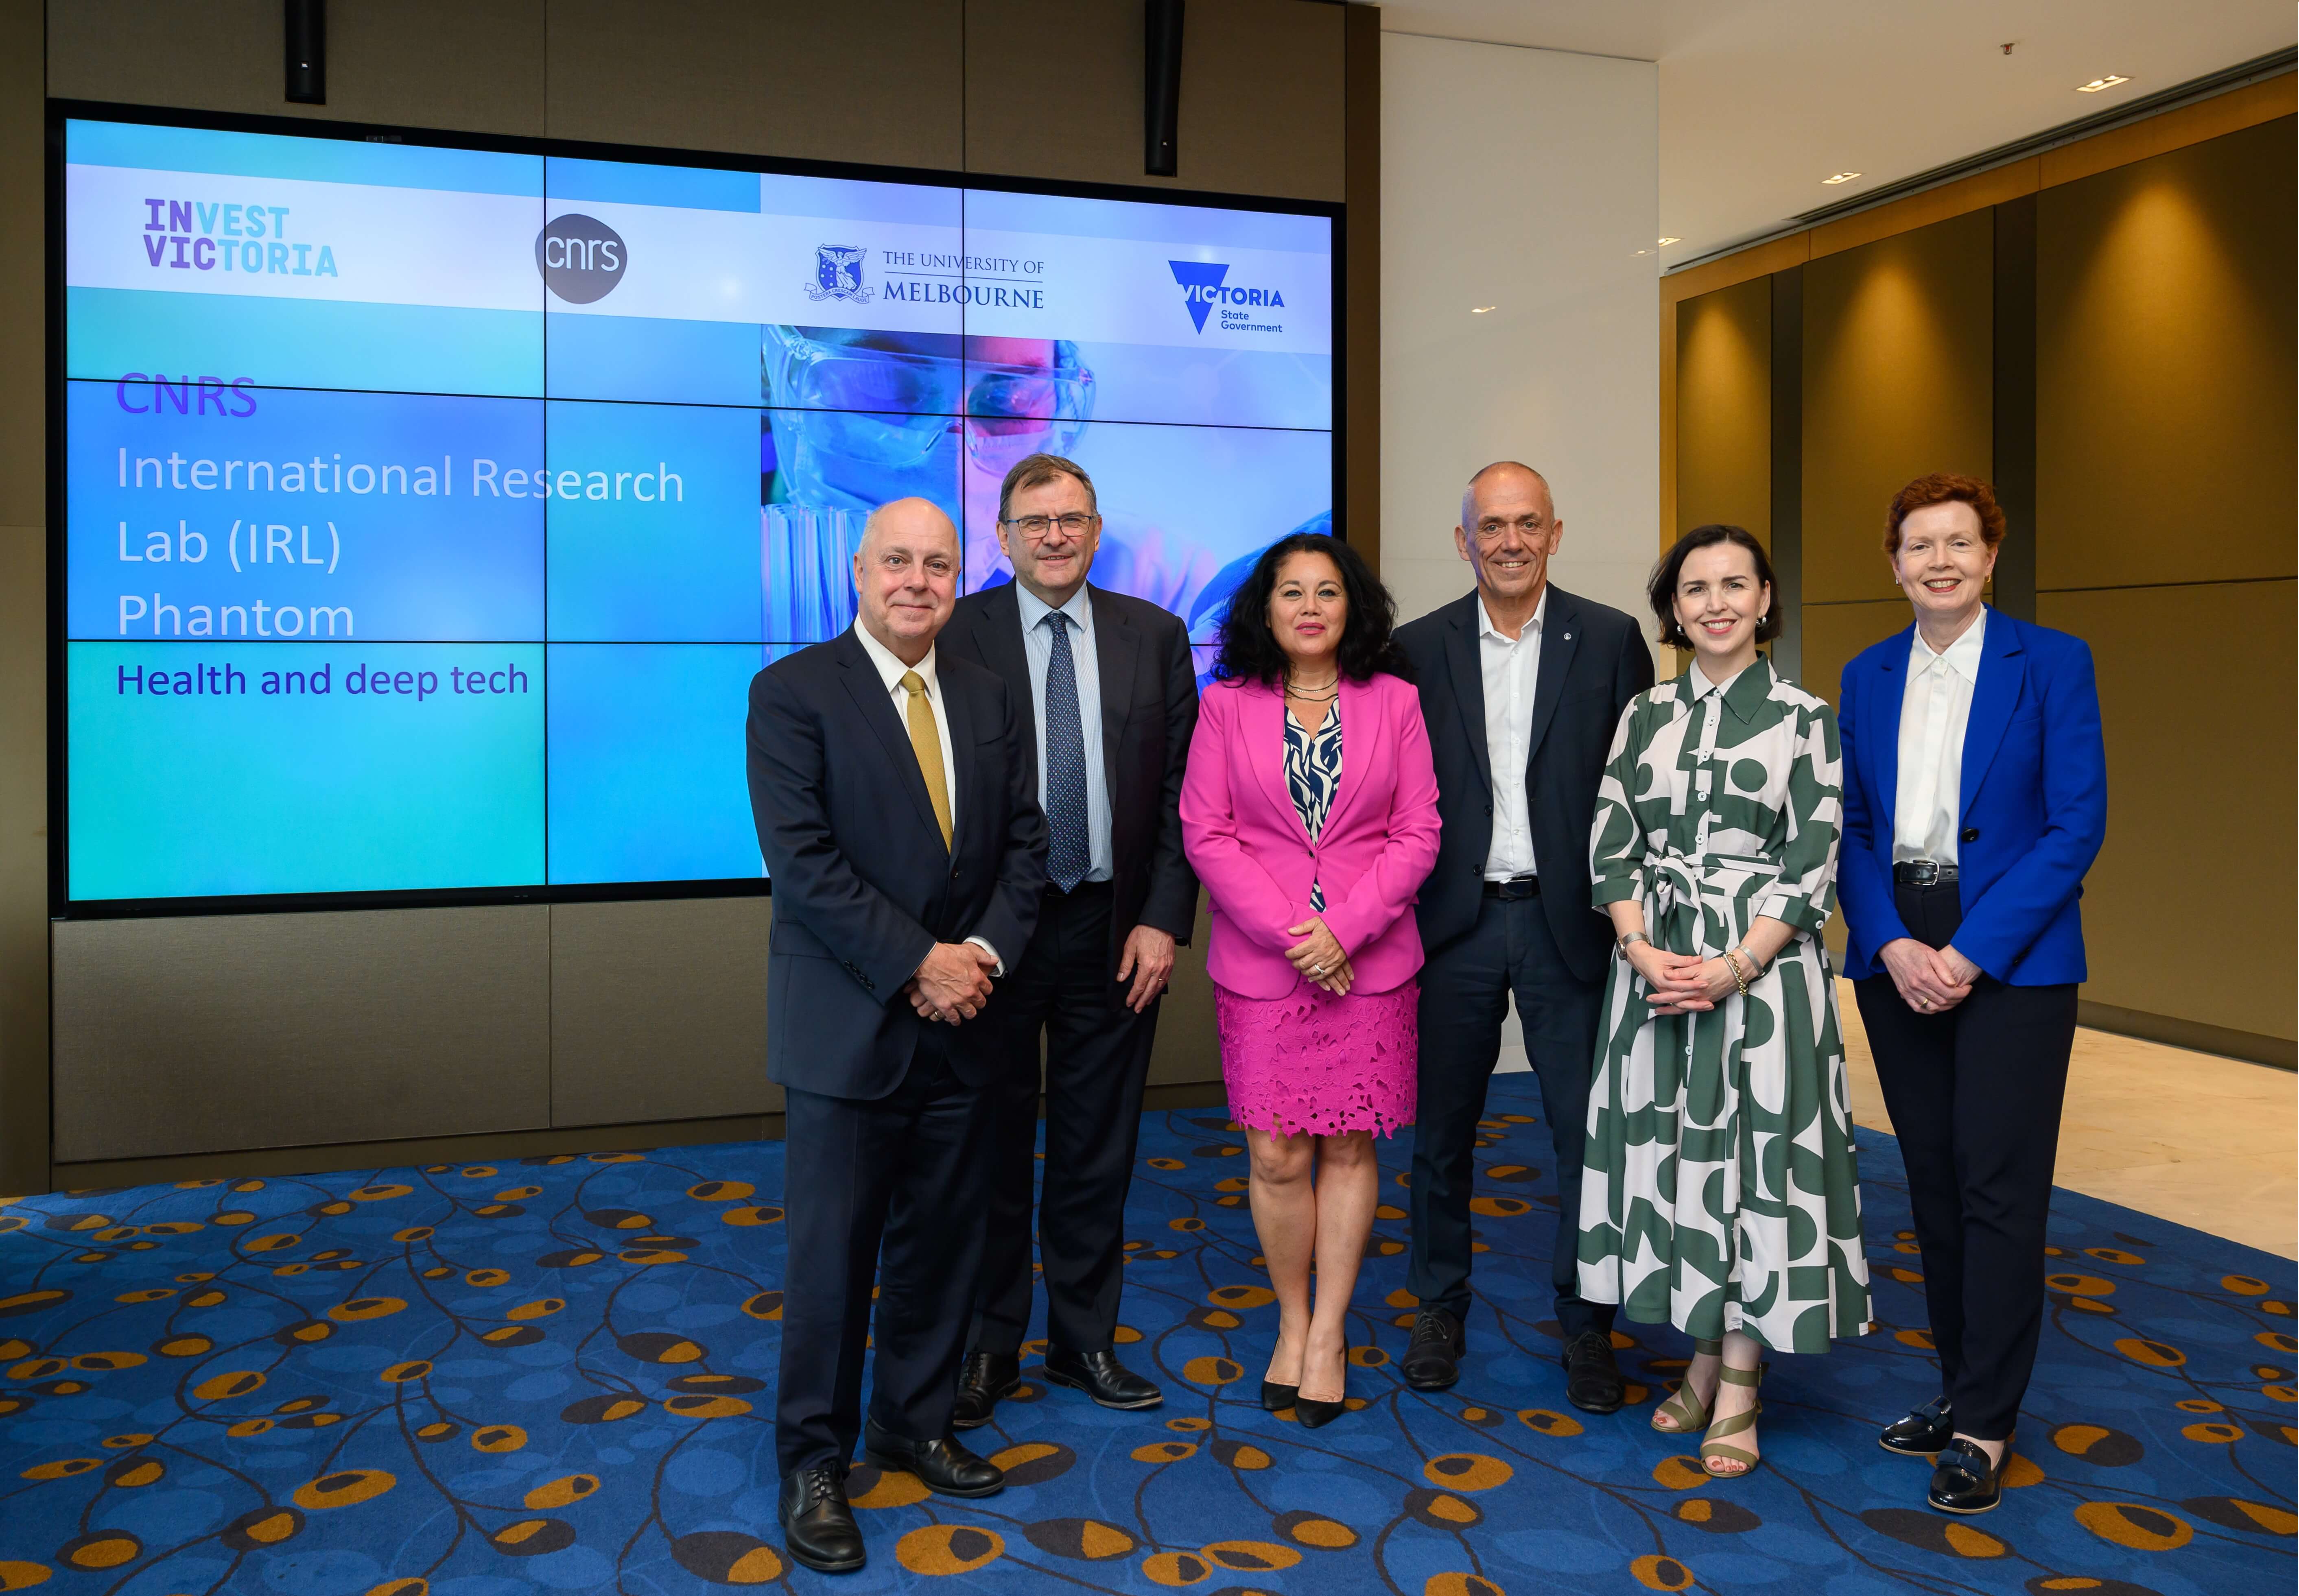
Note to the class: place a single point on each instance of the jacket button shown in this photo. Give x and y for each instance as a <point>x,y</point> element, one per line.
<point>953,873</point>
<point>1488,808</point>
<point>1971,833</point>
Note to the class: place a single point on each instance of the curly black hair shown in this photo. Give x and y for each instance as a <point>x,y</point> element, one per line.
<point>1249,648</point>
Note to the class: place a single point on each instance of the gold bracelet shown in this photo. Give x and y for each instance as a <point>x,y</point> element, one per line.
<point>1739,977</point>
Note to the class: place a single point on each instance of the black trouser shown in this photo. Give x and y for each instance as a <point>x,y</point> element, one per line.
<point>1464,991</point>
<point>905,1167</point>
<point>1974,1096</point>
<point>1097,1057</point>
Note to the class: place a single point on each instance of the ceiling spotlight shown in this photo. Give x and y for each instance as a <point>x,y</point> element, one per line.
<point>1634,254</point>
<point>1840,177</point>
<point>2097,84</point>
<point>1481,310</point>
<point>1669,241</point>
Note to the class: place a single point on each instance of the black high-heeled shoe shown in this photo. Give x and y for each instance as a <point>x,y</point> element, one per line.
<point>1277,1398</point>
<point>1316,1415</point>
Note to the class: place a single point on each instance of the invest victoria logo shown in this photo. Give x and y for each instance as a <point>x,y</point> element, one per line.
<point>1205,286</point>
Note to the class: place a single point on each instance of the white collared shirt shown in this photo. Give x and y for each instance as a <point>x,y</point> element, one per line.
<point>1935,708</point>
<point>1511,667</point>
<point>891,670</point>
<point>1038,644</point>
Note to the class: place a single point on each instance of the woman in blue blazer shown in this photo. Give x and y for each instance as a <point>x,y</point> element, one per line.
<point>1975,798</point>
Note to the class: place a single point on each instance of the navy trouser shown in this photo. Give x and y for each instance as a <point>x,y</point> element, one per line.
<point>1464,991</point>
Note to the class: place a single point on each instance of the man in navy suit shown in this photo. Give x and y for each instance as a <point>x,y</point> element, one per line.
<point>908,854</point>
<point>1522,685</point>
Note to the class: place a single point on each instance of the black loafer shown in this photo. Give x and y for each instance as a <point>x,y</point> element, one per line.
<point>1592,1379</point>
<point>819,1528</point>
<point>1101,1377</point>
<point>1432,1358</point>
<point>946,1467</point>
<point>1964,1482</point>
<point>1922,1432</point>
<point>987,1379</point>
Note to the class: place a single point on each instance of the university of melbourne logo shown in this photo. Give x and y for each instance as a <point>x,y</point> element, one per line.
<point>1205,285</point>
<point>580,257</point>
<point>838,274</point>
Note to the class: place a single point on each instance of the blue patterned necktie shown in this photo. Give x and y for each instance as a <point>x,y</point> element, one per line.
<point>1068,855</point>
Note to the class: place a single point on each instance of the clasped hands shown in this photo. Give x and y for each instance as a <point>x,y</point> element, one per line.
<point>1680,983</point>
<point>952,981</point>
<point>1320,958</point>
<point>1931,980</point>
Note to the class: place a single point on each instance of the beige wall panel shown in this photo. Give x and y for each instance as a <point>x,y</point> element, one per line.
<point>279,1030</point>
<point>1054,90</point>
<point>863,81</point>
<point>1835,632</point>
<point>1898,380</point>
<point>1188,1049</point>
<point>2188,912</point>
<point>1724,400</point>
<point>473,65</point>
<point>658,1010</point>
<point>2165,370</point>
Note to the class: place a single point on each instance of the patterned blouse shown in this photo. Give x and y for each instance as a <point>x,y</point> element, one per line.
<point>1313,774</point>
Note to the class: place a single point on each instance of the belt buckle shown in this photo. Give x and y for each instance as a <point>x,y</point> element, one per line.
<point>1923,873</point>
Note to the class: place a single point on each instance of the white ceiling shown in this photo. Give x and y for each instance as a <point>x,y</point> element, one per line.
<point>1761,99</point>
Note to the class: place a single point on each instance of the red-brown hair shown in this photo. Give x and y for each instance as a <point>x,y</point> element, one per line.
<point>1945,488</point>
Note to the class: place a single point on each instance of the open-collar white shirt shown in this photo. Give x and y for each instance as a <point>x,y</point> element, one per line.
<point>1511,667</point>
<point>1935,708</point>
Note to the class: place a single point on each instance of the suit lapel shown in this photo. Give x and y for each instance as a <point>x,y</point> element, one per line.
<point>1468,674</point>
<point>878,712</point>
<point>1560,639</point>
<point>1891,694</point>
<point>1263,716</point>
<point>1116,655</point>
<point>2003,669</point>
<point>1359,728</point>
<point>965,737</point>
<point>998,639</point>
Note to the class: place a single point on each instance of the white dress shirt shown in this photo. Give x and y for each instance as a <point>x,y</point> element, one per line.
<point>891,670</point>
<point>1935,708</point>
<point>1038,644</point>
<point>1512,674</point>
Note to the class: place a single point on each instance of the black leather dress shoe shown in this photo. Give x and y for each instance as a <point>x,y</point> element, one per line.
<point>1592,1379</point>
<point>1432,1358</point>
<point>1964,1481</point>
<point>987,1379</point>
<point>946,1467</point>
<point>1101,1377</point>
<point>1922,1432</point>
<point>819,1528</point>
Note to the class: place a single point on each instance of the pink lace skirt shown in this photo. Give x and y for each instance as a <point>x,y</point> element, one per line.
<point>1316,1063</point>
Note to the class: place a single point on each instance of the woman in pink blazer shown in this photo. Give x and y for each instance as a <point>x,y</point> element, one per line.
<point>1312,858</point>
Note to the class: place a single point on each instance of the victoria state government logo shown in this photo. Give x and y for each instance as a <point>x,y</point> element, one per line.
<point>838,274</point>
<point>580,257</point>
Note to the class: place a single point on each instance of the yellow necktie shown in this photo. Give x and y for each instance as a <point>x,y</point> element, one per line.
<point>925,742</point>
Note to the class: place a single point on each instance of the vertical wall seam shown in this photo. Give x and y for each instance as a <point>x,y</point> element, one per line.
<point>2014,385</point>
<point>1787,447</point>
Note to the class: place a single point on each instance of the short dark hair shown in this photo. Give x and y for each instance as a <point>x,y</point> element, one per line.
<point>1036,470</point>
<point>1661,589</point>
<point>1944,487</point>
<point>1249,650</point>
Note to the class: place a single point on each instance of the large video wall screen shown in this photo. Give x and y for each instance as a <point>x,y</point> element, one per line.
<point>428,510</point>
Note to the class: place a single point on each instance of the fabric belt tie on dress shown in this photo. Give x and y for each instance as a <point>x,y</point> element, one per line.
<point>1682,881</point>
<point>1923,873</point>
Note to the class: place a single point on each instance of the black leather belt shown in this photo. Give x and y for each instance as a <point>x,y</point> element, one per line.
<point>1923,873</point>
<point>1523,886</point>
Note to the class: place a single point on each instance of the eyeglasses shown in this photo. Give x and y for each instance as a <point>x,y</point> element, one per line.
<point>1075,523</point>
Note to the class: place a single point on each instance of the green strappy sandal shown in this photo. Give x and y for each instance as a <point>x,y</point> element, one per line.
<point>1710,1447</point>
<point>1688,1413</point>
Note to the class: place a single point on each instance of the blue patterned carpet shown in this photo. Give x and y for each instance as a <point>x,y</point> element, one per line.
<point>478,1380</point>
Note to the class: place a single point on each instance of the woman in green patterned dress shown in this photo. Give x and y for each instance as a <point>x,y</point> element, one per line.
<point>1721,1193</point>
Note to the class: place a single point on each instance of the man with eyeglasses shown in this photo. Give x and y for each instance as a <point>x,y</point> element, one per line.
<point>1522,685</point>
<point>1108,682</point>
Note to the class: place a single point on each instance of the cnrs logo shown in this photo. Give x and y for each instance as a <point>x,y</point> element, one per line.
<point>580,257</point>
